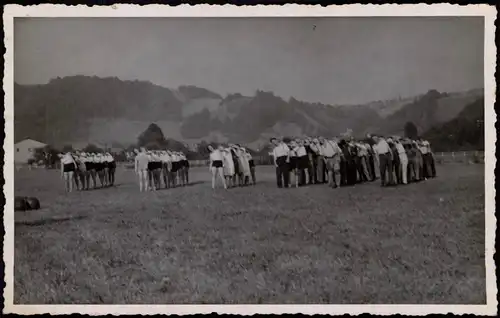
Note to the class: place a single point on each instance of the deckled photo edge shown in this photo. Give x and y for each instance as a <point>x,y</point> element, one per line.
<point>489,13</point>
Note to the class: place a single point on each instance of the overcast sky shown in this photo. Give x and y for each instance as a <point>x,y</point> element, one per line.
<point>329,60</point>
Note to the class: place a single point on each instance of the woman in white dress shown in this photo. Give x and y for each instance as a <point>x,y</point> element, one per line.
<point>216,165</point>
<point>228,166</point>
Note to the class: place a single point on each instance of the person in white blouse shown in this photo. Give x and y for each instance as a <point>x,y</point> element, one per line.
<point>281,157</point>
<point>228,166</point>
<point>68,168</point>
<point>216,166</point>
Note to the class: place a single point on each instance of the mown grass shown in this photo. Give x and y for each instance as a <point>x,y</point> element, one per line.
<point>422,243</point>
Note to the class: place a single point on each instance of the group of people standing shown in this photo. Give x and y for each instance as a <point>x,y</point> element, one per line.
<point>80,168</point>
<point>155,166</point>
<point>345,161</point>
<point>233,164</point>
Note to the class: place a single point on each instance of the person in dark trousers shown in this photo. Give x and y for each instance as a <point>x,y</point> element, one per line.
<point>395,161</point>
<point>343,162</point>
<point>281,155</point>
<point>312,158</point>
<point>385,158</point>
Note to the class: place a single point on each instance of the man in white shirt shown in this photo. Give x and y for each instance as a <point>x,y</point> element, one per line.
<point>331,155</point>
<point>281,156</point>
<point>384,153</point>
<point>403,159</point>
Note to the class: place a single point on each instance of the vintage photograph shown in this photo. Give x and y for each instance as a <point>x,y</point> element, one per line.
<point>250,160</point>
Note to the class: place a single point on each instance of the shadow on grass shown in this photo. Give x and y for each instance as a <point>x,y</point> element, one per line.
<point>48,221</point>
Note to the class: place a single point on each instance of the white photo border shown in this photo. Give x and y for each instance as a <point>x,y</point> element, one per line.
<point>289,10</point>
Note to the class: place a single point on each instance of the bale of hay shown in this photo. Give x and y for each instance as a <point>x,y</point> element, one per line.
<point>33,203</point>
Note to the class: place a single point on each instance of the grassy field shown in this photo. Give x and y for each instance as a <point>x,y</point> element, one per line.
<point>422,243</point>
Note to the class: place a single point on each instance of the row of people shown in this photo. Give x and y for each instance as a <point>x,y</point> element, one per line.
<point>80,168</point>
<point>233,164</point>
<point>155,166</point>
<point>345,161</point>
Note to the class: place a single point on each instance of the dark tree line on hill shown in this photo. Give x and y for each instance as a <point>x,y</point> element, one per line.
<point>463,133</point>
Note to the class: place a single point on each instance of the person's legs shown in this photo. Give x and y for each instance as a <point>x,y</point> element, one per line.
<point>390,171</point>
<point>319,169</point>
<point>404,168</point>
<point>221,175</point>
<point>286,175</point>
<point>76,180</point>
<point>433,166</point>
<point>214,175</point>
<point>70,179</point>
<point>383,167</point>
<point>279,179</point>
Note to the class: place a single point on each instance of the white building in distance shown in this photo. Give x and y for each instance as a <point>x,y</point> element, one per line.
<point>24,150</point>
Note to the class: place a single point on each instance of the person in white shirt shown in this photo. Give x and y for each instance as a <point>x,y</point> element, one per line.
<point>403,160</point>
<point>384,154</point>
<point>141,169</point>
<point>303,162</point>
<point>217,165</point>
<point>68,168</point>
<point>281,157</point>
<point>228,166</point>
<point>331,153</point>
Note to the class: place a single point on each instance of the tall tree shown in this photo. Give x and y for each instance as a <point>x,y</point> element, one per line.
<point>152,137</point>
<point>411,131</point>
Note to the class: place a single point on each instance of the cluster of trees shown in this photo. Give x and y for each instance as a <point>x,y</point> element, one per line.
<point>463,133</point>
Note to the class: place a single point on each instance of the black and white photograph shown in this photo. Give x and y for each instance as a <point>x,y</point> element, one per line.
<point>339,156</point>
